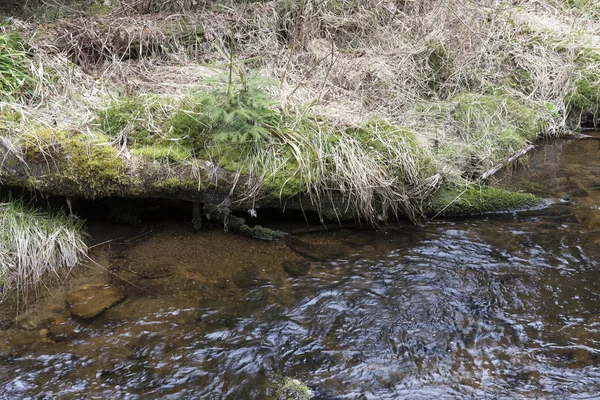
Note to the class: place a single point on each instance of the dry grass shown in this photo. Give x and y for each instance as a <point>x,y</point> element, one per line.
<point>34,246</point>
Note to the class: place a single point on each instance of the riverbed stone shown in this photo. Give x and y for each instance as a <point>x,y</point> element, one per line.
<point>296,268</point>
<point>87,301</point>
<point>314,251</point>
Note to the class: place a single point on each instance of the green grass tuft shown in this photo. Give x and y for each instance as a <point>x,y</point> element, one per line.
<point>132,119</point>
<point>16,81</point>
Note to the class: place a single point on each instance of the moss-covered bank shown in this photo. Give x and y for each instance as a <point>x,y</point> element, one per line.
<point>345,109</point>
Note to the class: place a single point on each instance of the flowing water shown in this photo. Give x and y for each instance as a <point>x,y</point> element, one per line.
<point>501,306</point>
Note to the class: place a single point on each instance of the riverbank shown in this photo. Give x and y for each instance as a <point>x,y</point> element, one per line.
<point>458,307</point>
<point>354,111</point>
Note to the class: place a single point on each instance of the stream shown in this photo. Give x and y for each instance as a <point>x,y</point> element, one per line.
<point>500,306</point>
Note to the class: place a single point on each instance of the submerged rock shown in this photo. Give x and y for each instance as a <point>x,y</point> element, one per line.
<point>288,389</point>
<point>317,252</point>
<point>296,268</point>
<point>293,389</point>
<point>87,301</point>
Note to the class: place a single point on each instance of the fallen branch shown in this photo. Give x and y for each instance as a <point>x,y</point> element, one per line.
<point>486,175</point>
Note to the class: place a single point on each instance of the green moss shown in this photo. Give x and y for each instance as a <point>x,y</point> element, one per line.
<point>585,98</point>
<point>159,152</point>
<point>85,165</point>
<point>259,232</point>
<point>479,115</point>
<point>174,185</point>
<point>9,116</point>
<point>384,140</point>
<point>287,389</point>
<point>488,128</point>
<point>286,181</point>
<point>188,124</point>
<point>520,79</point>
<point>455,200</point>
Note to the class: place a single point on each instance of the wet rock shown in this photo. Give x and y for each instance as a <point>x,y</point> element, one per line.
<point>317,252</point>
<point>296,268</point>
<point>288,389</point>
<point>88,301</point>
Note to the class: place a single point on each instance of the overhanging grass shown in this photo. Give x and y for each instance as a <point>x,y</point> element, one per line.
<point>35,244</point>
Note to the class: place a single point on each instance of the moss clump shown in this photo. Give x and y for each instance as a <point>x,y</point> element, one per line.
<point>585,98</point>
<point>287,389</point>
<point>457,200</point>
<point>260,232</point>
<point>97,9</point>
<point>85,166</point>
<point>187,123</point>
<point>589,8</point>
<point>497,116</point>
<point>171,152</point>
<point>398,145</point>
<point>486,128</point>
<point>9,117</point>
<point>174,185</point>
<point>286,181</point>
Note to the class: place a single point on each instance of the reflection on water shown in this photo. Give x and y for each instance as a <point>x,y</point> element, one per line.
<point>505,306</point>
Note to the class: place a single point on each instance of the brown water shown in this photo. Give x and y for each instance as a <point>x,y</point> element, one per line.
<point>502,306</point>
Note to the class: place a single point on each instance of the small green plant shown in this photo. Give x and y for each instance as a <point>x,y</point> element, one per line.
<point>238,114</point>
<point>16,82</point>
